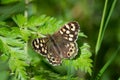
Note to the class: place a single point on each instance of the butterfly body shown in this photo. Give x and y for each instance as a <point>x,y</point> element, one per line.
<point>61,44</point>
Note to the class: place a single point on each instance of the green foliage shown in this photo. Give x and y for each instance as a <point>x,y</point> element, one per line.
<point>24,63</point>
<point>18,60</point>
<point>107,64</point>
<point>8,10</point>
<point>103,26</point>
<point>83,62</point>
<point>13,52</point>
<point>84,59</point>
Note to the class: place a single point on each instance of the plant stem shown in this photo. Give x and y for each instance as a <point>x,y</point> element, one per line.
<point>101,28</point>
<point>98,43</point>
<point>26,10</point>
<point>69,70</point>
<point>108,18</point>
<point>107,64</point>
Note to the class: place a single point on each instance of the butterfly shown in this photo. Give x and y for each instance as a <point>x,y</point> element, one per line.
<point>60,45</point>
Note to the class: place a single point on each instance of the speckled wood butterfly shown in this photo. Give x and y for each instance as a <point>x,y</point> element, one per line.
<point>61,44</point>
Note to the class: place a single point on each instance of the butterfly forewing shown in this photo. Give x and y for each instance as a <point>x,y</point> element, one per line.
<point>66,39</point>
<point>69,31</point>
<point>40,46</point>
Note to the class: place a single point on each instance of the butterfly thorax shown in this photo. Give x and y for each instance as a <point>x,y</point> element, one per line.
<point>52,41</point>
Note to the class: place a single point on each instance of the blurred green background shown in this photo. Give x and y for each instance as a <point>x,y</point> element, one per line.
<point>87,12</point>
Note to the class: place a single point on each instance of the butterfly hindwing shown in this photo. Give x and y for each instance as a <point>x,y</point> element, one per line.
<point>53,54</point>
<point>69,50</point>
<point>46,47</point>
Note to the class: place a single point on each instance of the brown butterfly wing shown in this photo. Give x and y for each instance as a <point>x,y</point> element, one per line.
<point>65,38</point>
<point>53,53</point>
<point>46,47</point>
<point>40,46</point>
<point>69,31</point>
<point>60,45</point>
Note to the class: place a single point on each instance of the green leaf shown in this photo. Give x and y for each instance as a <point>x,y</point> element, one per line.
<point>8,1</point>
<point>25,34</point>
<point>20,20</point>
<point>9,10</point>
<point>84,63</point>
<point>44,24</point>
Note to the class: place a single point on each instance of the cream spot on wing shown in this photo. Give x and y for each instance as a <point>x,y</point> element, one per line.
<point>35,44</point>
<point>67,32</point>
<point>41,44</point>
<point>63,29</point>
<point>43,41</point>
<point>67,45</point>
<point>61,32</point>
<point>43,49</point>
<point>48,56</point>
<point>70,39</point>
<point>37,40</point>
<point>39,51</point>
<point>72,27</point>
<point>67,26</point>
<point>66,37</point>
<point>71,35</point>
<point>72,44</point>
<point>76,33</point>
